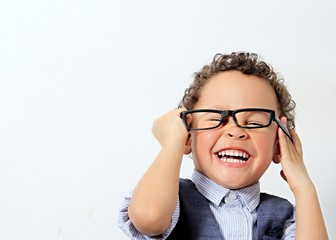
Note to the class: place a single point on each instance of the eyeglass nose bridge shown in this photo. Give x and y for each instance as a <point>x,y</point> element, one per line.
<point>228,113</point>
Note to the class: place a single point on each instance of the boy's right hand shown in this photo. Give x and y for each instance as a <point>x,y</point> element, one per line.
<point>148,213</point>
<point>169,129</point>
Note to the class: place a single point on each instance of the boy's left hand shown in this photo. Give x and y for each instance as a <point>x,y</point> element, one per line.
<point>291,158</point>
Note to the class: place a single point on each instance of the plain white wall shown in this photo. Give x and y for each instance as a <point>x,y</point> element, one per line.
<point>82,81</point>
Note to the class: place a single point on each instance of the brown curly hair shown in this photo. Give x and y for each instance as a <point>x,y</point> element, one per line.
<point>247,63</point>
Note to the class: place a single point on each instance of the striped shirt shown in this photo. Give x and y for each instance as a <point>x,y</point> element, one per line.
<point>234,210</point>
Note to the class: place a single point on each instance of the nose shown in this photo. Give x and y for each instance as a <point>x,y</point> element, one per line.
<point>233,132</point>
<point>234,135</point>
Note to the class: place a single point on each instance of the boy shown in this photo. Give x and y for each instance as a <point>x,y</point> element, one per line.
<point>233,119</point>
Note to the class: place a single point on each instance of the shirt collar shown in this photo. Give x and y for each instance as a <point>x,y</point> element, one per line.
<point>215,192</point>
<point>208,188</point>
<point>250,196</point>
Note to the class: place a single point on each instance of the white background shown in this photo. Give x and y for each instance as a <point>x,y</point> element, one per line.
<point>82,81</point>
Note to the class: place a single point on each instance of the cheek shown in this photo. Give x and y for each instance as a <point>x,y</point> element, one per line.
<point>266,143</point>
<point>203,140</point>
<point>202,144</point>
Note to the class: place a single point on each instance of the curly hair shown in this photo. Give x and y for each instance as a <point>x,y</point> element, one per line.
<point>247,63</point>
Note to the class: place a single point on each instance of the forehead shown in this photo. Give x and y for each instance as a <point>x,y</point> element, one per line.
<point>234,90</point>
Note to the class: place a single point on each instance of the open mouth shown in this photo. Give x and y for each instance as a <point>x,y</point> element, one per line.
<point>233,156</point>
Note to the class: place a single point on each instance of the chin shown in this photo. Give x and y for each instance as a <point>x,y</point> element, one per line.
<point>233,184</point>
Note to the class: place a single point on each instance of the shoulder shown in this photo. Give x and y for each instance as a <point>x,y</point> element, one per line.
<point>186,182</point>
<point>189,196</point>
<point>273,199</point>
<point>275,205</point>
<point>187,188</point>
<point>186,185</point>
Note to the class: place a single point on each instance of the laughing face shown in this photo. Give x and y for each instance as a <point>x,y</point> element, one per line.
<point>231,156</point>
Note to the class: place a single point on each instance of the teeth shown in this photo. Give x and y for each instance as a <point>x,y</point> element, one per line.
<point>231,160</point>
<point>232,155</point>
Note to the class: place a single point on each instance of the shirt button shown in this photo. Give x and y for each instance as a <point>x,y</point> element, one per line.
<point>230,197</point>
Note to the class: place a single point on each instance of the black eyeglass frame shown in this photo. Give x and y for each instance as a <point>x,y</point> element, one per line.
<point>232,113</point>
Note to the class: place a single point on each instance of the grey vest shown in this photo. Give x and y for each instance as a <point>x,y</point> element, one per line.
<point>197,222</point>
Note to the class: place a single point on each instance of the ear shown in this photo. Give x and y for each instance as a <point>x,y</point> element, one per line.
<point>277,153</point>
<point>187,149</point>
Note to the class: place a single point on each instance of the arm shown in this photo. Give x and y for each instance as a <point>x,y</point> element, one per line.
<point>309,219</point>
<point>155,196</point>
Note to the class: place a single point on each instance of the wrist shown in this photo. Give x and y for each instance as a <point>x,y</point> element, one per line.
<point>173,148</point>
<point>303,189</point>
<point>176,144</point>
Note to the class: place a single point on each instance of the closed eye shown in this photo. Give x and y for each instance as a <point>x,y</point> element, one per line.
<point>215,119</point>
<point>254,124</point>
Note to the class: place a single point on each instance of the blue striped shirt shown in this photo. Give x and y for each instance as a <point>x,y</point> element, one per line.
<point>234,210</point>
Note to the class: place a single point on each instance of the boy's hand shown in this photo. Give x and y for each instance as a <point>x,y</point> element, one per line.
<point>293,168</point>
<point>309,218</point>
<point>170,130</point>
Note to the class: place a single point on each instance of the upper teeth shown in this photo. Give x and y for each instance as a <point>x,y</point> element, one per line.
<point>234,153</point>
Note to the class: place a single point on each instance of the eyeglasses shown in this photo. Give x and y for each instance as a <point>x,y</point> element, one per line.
<point>250,118</point>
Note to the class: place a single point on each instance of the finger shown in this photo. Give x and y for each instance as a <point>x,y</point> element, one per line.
<point>288,150</point>
<point>297,142</point>
<point>181,109</point>
<point>284,123</point>
<point>284,142</point>
<point>186,118</point>
<point>178,111</point>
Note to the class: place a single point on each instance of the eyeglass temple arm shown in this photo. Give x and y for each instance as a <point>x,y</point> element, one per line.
<point>283,128</point>
<point>182,116</point>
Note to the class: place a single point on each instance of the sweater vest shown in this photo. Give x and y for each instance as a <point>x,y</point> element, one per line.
<point>197,222</point>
